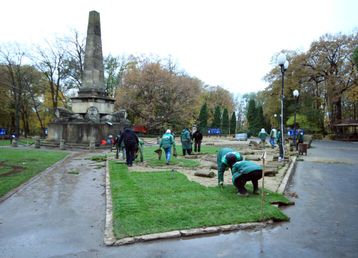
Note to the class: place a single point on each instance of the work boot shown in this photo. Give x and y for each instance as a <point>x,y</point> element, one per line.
<point>256,191</point>
<point>243,194</point>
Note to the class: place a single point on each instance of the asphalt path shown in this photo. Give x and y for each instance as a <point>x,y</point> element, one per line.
<point>61,214</point>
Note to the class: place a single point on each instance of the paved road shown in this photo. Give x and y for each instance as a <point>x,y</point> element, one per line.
<point>52,218</point>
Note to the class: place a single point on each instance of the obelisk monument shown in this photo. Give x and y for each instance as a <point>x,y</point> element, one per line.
<point>93,92</point>
<point>91,119</point>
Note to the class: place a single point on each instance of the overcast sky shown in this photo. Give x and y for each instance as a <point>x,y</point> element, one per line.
<point>224,42</point>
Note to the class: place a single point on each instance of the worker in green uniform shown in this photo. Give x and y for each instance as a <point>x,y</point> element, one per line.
<point>167,142</point>
<point>244,171</point>
<point>226,158</point>
<point>139,150</point>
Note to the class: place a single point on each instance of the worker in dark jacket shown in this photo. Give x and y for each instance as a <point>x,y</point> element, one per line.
<point>226,158</point>
<point>131,142</point>
<point>198,137</point>
<point>244,171</point>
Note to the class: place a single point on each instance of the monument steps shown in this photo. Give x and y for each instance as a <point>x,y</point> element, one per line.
<point>56,145</point>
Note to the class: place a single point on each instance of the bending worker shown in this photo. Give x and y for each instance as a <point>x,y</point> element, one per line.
<point>226,158</point>
<point>244,171</point>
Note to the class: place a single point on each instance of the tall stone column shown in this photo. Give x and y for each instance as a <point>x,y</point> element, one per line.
<point>93,76</point>
<point>92,94</point>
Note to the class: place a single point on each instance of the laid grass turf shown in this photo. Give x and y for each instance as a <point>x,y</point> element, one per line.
<point>145,203</point>
<point>19,165</point>
<point>24,141</point>
<point>4,142</point>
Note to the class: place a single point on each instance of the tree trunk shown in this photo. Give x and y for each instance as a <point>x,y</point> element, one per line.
<point>338,115</point>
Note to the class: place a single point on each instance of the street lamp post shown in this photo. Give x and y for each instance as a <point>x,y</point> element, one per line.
<point>296,94</point>
<point>283,63</point>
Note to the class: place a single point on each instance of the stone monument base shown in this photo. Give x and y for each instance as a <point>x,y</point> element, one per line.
<point>82,133</point>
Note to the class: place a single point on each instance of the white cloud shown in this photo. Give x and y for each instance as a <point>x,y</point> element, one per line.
<point>224,42</point>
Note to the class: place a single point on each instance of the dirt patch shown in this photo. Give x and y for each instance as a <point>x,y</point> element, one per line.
<point>14,170</point>
<point>207,162</point>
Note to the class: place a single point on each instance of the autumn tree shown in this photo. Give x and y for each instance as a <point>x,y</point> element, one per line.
<point>217,96</point>
<point>52,62</point>
<point>12,58</point>
<point>6,109</point>
<point>74,47</point>
<point>355,57</point>
<point>114,69</point>
<point>330,59</point>
<point>158,98</point>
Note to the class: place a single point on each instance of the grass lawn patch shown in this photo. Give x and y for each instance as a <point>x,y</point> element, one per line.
<point>145,203</point>
<point>4,142</point>
<point>18,166</point>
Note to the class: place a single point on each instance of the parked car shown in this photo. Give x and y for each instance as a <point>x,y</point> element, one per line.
<point>241,136</point>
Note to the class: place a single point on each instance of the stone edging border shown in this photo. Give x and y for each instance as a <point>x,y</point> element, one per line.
<point>110,240</point>
<point>288,175</point>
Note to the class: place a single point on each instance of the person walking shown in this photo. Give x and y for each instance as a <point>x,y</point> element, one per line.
<point>186,143</point>
<point>280,144</point>
<point>226,158</point>
<point>243,171</point>
<point>299,138</point>
<point>119,147</point>
<point>273,134</point>
<point>262,135</point>
<point>167,142</point>
<point>139,150</point>
<point>131,142</point>
<point>198,137</point>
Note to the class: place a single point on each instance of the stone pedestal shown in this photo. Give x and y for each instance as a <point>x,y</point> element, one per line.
<point>37,142</point>
<point>92,145</point>
<point>81,133</point>
<point>14,142</point>
<point>62,144</point>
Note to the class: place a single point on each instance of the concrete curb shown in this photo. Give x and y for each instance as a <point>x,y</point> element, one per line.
<point>109,237</point>
<point>288,175</point>
<point>35,178</point>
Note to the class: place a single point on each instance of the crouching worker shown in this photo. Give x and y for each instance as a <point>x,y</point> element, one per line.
<point>244,171</point>
<point>226,158</point>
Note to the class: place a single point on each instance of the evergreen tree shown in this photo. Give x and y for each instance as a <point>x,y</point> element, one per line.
<point>233,123</point>
<point>259,119</point>
<point>217,118</point>
<point>225,124</point>
<point>203,118</point>
<point>251,116</point>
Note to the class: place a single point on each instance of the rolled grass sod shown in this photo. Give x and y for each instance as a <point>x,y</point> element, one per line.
<point>153,202</point>
<point>19,165</point>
